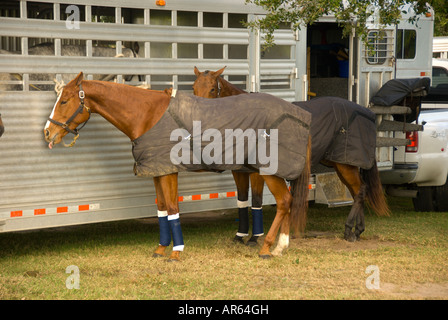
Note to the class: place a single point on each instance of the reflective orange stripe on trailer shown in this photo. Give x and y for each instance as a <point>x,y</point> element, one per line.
<point>206,196</point>
<point>96,206</point>
<point>62,209</point>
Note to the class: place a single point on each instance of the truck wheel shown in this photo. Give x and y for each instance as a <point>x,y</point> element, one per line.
<point>424,201</point>
<point>442,197</point>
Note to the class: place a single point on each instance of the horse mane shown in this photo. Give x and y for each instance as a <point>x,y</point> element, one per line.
<point>229,89</point>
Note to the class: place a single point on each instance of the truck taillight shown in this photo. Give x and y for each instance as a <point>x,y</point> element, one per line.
<point>413,137</point>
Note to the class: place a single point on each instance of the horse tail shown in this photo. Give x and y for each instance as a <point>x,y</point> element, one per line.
<point>375,194</point>
<point>299,192</point>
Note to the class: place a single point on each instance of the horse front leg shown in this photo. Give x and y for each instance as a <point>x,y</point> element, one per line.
<point>242,186</point>
<point>257,184</point>
<point>283,198</point>
<point>168,186</point>
<point>162,215</point>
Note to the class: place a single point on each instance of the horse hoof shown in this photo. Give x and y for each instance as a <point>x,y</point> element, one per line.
<point>252,242</point>
<point>265,256</point>
<point>174,257</point>
<point>238,240</point>
<point>350,237</point>
<point>159,252</point>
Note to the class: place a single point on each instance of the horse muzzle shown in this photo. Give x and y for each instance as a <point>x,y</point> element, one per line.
<point>51,141</point>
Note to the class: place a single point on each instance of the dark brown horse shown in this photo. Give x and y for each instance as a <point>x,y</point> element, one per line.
<point>210,85</point>
<point>135,111</point>
<point>361,183</point>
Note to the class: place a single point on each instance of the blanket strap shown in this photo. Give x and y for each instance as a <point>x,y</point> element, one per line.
<point>285,116</point>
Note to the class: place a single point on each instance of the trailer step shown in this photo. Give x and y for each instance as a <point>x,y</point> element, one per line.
<point>390,110</point>
<point>331,191</point>
<point>388,125</point>
<point>391,142</point>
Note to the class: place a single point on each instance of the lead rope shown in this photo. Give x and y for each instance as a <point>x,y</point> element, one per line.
<point>71,144</point>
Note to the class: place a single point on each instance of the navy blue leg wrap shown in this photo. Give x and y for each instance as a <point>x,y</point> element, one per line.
<point>164,227</point>
<point>257,221</point>
<point>178,239</point>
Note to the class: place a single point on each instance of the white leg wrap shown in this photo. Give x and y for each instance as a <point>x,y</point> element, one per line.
<point>161,214</point>
<point>239,234</point>
<point>173,217</point>
<point>242,204</point>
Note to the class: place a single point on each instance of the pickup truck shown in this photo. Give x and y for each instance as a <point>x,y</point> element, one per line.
<point>421,168</point>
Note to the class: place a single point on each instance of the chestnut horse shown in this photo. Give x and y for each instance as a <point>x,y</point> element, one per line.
<point>360,183</point>
<point>134,111</point>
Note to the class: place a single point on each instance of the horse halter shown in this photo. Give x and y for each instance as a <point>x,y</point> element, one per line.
<point>219,87</point>
<point>80,109</point>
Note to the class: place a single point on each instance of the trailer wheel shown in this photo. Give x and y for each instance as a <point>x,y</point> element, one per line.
<point>424,200</point>
<point>442,197</point>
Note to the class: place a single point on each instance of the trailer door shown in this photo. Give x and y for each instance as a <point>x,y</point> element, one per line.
<point>280,70</point>
<point>376,66</point>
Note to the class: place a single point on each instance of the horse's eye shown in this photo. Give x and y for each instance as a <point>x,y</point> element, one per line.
<point>63,102</point>
<point>213,90</point>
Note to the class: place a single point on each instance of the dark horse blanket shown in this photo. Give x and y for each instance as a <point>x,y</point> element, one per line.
<point>256,132</point>
<point>342,131</point>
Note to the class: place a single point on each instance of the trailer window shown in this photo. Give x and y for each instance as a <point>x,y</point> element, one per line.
<point>10,9</point>
<point>103,14</point>
<point>39,10</point>
<point>377,53</point>
<point>187,50</point>
<point>406,44</point>
<point>212,19</point>
<point>213,51</point>
<point>187,18</point>
<point>132,16</point>
<point>160,17</point>
<point>65,15</point>
<point>238,51</point>
<point>161,50</point>
<point>237,20</point>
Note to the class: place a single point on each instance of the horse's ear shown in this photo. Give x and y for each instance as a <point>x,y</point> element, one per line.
<point>196,71</point>
<point>79,78</point>
<point>219,72</point>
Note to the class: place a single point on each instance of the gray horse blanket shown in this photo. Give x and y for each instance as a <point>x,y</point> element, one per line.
<point>341,131</point>
<point>255,132</point>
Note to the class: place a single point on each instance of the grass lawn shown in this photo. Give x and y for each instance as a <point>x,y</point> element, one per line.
<point>409,251</point>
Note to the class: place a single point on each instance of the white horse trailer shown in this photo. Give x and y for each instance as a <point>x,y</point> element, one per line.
<point>440,47</point>
<point>94,181</point>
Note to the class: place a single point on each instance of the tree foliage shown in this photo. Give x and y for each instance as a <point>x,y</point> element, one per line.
<point>352,15</point>
<point>441,17</point>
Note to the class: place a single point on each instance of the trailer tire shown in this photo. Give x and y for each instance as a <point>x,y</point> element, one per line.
<point>441,194</point>
<point>425,199</point>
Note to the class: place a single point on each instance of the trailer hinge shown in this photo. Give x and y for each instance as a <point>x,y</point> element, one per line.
<point>295,73</point>
<point>296,35</point>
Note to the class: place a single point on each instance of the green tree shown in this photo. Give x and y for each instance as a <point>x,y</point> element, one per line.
<point>440,17</point>
<point>350,14</point>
